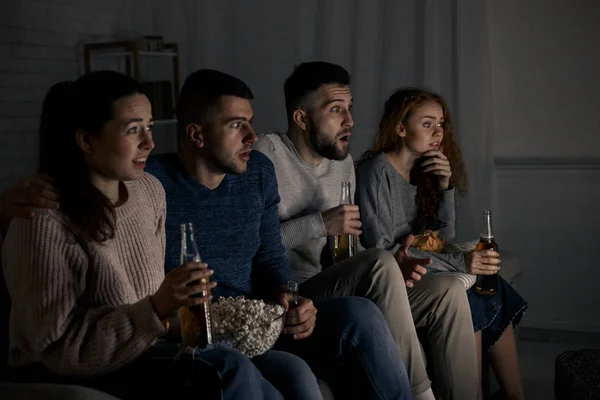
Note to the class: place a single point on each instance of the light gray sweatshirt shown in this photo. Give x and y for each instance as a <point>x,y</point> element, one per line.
<point>305,192</point>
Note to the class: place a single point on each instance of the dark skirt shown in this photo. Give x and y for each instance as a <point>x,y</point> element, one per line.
<point>493,314</point>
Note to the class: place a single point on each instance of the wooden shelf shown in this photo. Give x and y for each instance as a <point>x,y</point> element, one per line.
<point>109,54</point>
<point>158,91</point>
<point>130,51</point>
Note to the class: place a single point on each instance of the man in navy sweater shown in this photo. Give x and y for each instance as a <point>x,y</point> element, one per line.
<point>230,194</point>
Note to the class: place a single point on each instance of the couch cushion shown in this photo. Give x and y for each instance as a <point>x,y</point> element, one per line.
<point>511,266</point>
<point>325,390</point>
<point>25,391</point>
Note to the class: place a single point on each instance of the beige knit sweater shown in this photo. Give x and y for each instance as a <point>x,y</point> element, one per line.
<point>84,308</point>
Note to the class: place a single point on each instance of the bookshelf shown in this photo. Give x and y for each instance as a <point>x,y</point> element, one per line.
<point>143,62</point>
<point>162,98</point>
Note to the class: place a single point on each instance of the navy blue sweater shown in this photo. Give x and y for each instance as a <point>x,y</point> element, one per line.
<point>236,224</point>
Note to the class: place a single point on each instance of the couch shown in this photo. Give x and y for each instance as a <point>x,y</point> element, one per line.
<point>511,270</point>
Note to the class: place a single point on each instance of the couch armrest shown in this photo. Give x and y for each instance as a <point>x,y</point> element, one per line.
<point>511,266</point>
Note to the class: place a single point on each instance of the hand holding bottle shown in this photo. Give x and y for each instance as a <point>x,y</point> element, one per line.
<point>482,262</point>
<point>343,219</point>
<point>175,293</point>
<point>299,320</point>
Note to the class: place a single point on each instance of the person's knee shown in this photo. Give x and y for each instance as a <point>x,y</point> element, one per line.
<point>299,373</point>
<point>383,256</point>
<point>450,293</point>
<point>359,311</point>
<point>289,373</point>
<point>382,265</point>
<point>289,364</point>
<point>233,362</point>
<point>456,292</point>
<point>363,322</point>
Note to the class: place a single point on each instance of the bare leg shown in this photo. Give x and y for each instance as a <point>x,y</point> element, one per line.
<point>479,364</point>
<point>505,363</point>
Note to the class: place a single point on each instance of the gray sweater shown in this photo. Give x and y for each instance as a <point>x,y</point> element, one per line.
<point>388,209</point>
<point>305,192</point>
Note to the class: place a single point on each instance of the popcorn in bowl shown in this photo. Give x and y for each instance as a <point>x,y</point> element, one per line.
<point>250,326</point>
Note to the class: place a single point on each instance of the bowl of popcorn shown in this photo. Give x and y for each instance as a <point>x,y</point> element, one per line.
<point>250,326</point>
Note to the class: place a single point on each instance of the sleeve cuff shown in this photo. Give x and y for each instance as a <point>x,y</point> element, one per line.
<point>319,225</point>
<point>449,192</point>
<point>395,248</point>
<point>151,325</point>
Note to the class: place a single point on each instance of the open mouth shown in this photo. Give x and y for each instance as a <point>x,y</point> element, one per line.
<point>345,138</point>
<point>245,155</point>
<point>140,162</point>
<point>435,144</point>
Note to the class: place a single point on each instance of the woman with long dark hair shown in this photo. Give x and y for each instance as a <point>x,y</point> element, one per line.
<point>86,281</point>
<point>406,185</point>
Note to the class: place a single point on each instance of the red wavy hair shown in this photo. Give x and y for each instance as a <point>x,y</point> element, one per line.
<point>398,109</point>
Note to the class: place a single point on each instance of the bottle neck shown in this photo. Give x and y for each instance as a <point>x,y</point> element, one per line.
<point>345,197</point>
<point>488,230</point>
<point>189,250</point>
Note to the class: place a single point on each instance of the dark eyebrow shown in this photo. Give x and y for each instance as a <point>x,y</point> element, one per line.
<point>132,120</point>
<point>429,116</point>
<point>239,118</point>
<point>337,101</point>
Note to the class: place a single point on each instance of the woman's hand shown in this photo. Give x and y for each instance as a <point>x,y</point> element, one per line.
<point>175,293</point>
<point>439,165</point>
<point>482,262</point>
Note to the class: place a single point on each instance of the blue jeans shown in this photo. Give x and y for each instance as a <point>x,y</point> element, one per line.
<point>352,348</point>
<point>289,374</point>
<point>237,376</point>
<point>162,372</point>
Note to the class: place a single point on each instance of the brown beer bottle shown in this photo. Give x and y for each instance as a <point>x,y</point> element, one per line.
<point>346,245</point>
<point>196,321</point>
<point>487,284</point>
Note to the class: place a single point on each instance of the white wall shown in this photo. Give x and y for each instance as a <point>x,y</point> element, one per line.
<point>39,46</point>
<point>545,62</point>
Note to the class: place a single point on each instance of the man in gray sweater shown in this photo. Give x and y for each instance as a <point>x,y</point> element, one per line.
<point>311,160</point>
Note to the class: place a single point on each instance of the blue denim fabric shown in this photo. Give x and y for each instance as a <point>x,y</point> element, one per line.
<point>493,314</point>
<point>289,374</point>
<point>239,377</point>
<point>166,372</point>
<point>352,348</point>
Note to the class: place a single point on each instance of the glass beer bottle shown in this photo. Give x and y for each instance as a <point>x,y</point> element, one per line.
<point>292,291</point>
<point>196,321</point>
<point>487,284</point>
<point>346,245</point>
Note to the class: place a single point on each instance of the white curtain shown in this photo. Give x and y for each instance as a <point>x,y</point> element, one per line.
<point>384,44</point>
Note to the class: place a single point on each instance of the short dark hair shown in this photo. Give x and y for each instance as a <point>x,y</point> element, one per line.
<point>307,78</point>
<point>201,92</point>
<point>86,104</point>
